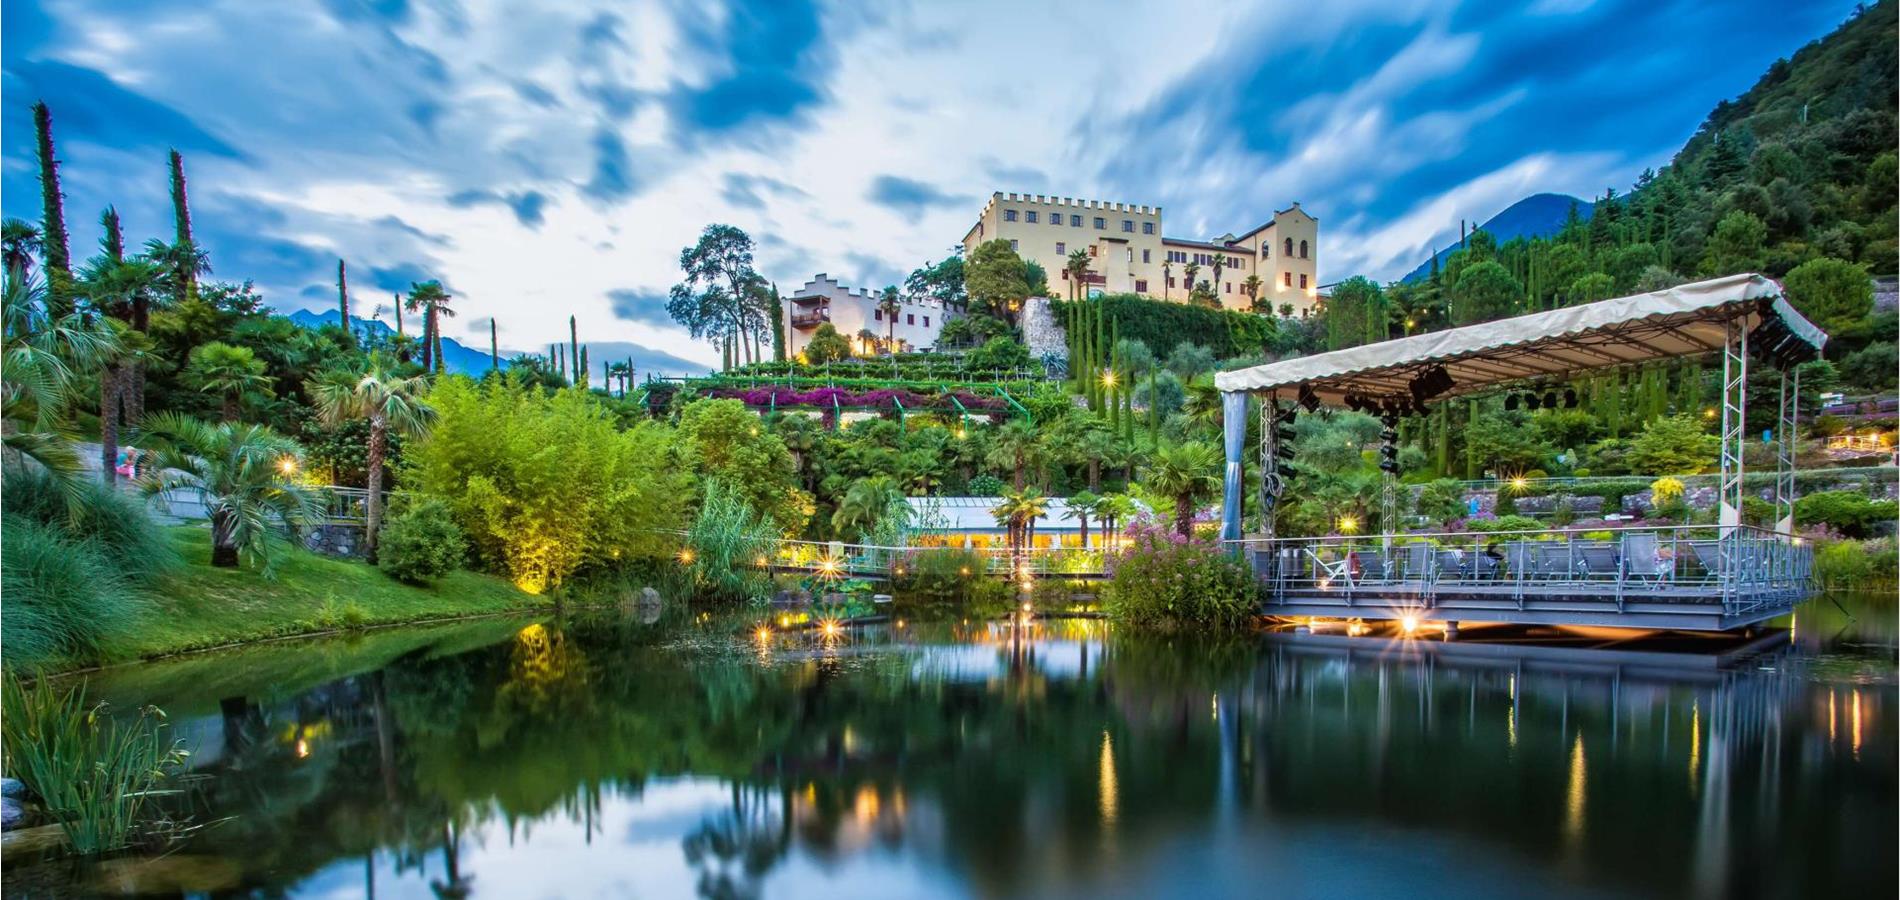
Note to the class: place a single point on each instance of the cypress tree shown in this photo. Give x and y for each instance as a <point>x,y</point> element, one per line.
<point>778,332</point>
<point>181,218</point>
<point>54,248</point>
<point>586,370</point>
<point>560,359</point>
<point>574,351</point>
<point>343,302</point>
<point>494,348</point>
<point>399,314</point>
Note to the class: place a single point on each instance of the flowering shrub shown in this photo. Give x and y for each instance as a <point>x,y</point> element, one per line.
<point>1162,579</point>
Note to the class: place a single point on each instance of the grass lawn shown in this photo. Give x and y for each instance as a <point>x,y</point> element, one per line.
<point>199,606</point>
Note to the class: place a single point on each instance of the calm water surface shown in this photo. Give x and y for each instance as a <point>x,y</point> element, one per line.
<point>605,757</point>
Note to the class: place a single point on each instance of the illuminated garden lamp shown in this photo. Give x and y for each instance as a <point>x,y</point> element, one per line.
<point>1348,524</point>
<point>287,465</point>
<point>1408,624</point>
<point>1108,377</point>
<point>763,634</point>
<point>686,556</point>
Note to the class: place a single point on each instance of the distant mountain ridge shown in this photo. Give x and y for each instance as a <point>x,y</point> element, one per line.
<point>471,361</point>
<point>1539,215</point>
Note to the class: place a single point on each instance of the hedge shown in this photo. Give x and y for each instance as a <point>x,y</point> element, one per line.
<point>1161,325</point>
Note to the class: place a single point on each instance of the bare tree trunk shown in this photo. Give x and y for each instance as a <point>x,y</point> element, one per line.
<point>111,385</point>
<point>230,406</point>
<point>224,551</point>
<point>373,504</point>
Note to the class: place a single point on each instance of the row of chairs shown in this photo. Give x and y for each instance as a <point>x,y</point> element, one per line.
<point>1635,557</point>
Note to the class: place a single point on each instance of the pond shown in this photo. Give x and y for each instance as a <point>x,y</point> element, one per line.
<point>597,755</point>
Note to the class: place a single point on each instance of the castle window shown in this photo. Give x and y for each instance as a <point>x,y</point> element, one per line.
<point>1147,228</point>
<point>910,318</point>
<point>1302,249</point>
<point>1144,256</point>
<point>1012,244</point>
<point>1009,215</point>
<point>1128,225</point>
<point>1075,220</point>
<point>1289,279</point>
<point>1100,223</point>
<point>1030,217</point>
<point>1289,246</point>
<point>1062,248</point>
<point>1228,285</point>
<point>1141,286</point>
<point>1302,281</point>
<point>926,321</point>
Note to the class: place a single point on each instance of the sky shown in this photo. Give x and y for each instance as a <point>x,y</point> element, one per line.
<point>546,160</point>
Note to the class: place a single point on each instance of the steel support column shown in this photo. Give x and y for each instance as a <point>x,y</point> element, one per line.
<point>1269,463</point>
<point>1785,425</point>
<point>1734,427</point>
<point>1234,422</point>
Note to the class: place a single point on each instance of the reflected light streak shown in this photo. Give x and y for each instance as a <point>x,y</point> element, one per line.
<point>1574,794</point>
<point>1856,735</point>
<point>1110,793</point>
<point>1832,736</point>
<point>1695,740</point>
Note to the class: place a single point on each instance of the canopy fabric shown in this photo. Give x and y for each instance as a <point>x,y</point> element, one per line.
<point>1685,321</point>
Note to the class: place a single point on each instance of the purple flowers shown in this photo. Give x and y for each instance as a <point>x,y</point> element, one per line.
<point>826,397</point>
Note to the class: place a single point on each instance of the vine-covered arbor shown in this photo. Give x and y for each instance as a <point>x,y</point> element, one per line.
<point>1729,576</point>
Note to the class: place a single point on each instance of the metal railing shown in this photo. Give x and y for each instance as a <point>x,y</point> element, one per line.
<point>1742,568</point>
<point>839,559</point>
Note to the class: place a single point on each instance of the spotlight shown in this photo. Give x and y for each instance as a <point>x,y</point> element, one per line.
<point>1530,402</point>
<point>1570,399</point>
<point>1510,403</point>
<point>1550,400</point>
<point>1309,398</point>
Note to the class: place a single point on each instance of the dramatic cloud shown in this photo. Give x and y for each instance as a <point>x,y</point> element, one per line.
<point>547,160</point>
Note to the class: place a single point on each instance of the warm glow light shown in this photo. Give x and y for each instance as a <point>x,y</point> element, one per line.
<point>1576,791</point>
<point>686,556</point>
<point>1325,583</point>
<point>1108,790</point>
<point>287,465</point>
<point>1855,708</point>
<point>763,562</point>
<point>1108,377</point>
<point>900,623</point>
<point>964,571</point>
<point>763,634</point>
<point>1520,483</point>
<point>1348,524</point>
<point>831,627</point>
<point>1709,413</point>
<point>1408,624</point>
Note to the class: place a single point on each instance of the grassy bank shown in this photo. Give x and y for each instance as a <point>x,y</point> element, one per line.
<point>199,606</point>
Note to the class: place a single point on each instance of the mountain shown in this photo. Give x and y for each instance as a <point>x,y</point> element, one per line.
<point>473,361</point>
<point>1539,215</point>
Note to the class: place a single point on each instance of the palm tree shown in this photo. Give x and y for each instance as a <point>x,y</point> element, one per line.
<point>19,243</point>
<point>389,402</point>
<point>1078,269</point>
<point>1013,445</point>
<point>1098,447</point>
<point>45,360</point>
<point>1220,262</point>
<point>889,305</point>
<point>1251,287</point>
<point>1187,473</point>
<point>1081,505</point>
<point>433,302</point>
<point>866,503</point>
<point>228,371</point>
<point>1112,510</point>
<point>1203,403</point>
<point>242,473</point>
<point>1167,276</point>
<point>1018,514</point>
<point>1187,276</point>
<point>184,262</point>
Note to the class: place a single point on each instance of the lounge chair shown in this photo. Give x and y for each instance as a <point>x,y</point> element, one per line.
<point>1642,559</point>
<point>1596,561</point>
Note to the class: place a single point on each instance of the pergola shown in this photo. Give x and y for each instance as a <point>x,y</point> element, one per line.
<point>1735,317</point>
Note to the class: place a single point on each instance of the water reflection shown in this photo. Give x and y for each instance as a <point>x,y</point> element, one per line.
<point>1053,758</point>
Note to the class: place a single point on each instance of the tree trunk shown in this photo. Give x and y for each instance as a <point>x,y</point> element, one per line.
<point>1018,475</point>
<point>373,504</point>
<point>1083,523</point>
<point>231,406</point>
<point>111,385</point>
<point>1095,475</point>
<point>1184,516</point>
<point>428,338</point>
<point>224,550</point>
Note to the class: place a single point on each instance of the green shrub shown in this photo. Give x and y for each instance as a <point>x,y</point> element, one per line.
<point>953,580</point>
<point>1849,512</point>
<point>1441,501</point>
<point>95,773</point>
<point>726,543</point>
<point>1163,580</point>
<point>63,596</point>
<point>1161,325</point>
<point>1505,523</point>
<point>986,486</point>
<point>1843,564</point>
<point>1001,352</point>
<point>1564,513</point>
<point>421,543</point>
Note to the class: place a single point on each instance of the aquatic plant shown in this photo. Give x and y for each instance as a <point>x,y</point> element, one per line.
<point>1164,579</point>
<point>727,545</point>
<point>97,775</point>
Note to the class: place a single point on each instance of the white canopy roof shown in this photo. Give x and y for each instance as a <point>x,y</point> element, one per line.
<point>1685,321</point>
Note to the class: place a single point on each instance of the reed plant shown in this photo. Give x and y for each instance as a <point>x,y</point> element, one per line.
<point>96,774</point>
<point>728,545</point>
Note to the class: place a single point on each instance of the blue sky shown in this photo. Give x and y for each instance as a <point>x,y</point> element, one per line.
<point>544,160</point>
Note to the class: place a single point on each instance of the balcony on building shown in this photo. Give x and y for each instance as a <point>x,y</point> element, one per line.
<point>810,312</point>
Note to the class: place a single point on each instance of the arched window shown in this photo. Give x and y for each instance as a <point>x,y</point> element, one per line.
<point>1302,249</point>
<point>1289,246</point>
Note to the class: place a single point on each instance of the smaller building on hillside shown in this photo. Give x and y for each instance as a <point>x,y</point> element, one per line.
<point>967,522</point>
<point>914,325</point>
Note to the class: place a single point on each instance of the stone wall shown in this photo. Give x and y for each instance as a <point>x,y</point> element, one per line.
<point>342,541</point>
<point>1042,334</point>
